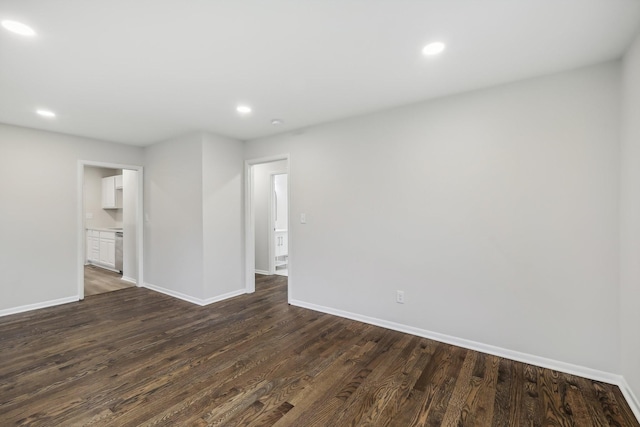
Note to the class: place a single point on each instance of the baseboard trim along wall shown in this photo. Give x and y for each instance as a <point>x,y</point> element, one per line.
<point>44,304</point>
<point>129,279</point>
<point>632,399</point>
<point>193,300</point>
<point>530,359</point>
<point>556,365</point>
<point>263,272</point>
<point>224,296</point>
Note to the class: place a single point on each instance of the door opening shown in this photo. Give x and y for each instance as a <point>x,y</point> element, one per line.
<point>279,255</point>
<point>267,231</point>
<point>110,227</point>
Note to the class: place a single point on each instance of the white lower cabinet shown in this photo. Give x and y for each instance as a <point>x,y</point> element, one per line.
<point>108,252</point>
<point>101,248</point>
<point>282,244</point>
<point>282,249</point>
<point>93,246</point>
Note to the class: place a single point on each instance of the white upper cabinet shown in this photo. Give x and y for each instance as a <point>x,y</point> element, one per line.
<point>111,193</point>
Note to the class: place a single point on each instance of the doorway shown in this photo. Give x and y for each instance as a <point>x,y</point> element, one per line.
<point>109,227</point>
<point>267,244</point>
<point>279,225</point>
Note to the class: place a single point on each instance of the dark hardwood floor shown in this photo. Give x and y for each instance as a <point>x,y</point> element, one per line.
<point>98,281</point>
<point>136,357</point>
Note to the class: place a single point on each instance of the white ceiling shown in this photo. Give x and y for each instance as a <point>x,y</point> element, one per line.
<point>141,71</point>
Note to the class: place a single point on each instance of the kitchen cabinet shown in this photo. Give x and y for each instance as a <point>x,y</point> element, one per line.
<point>282,248</point>
<point>93,246</point>
<point>282,245</point>
<point>111,194</point>
<point>101,248</point>
<point>108,249</point>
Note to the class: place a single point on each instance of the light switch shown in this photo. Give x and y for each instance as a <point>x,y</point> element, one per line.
<point>303,218</point>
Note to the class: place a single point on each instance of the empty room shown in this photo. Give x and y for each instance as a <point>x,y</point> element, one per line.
<point>320,213</point>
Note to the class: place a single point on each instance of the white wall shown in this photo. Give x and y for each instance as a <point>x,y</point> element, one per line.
<point>129,224</point>
<point>495,211</point>
<point>101,218</point>
<point>222,200</point>
<point>173,215</point>
<point>38,213</point>
<point>261,185</point>
<point>193,216</point>
<point>630,221</point>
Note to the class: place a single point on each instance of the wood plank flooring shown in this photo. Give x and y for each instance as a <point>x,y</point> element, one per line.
<point>98,281</point>
<point>136,357</point>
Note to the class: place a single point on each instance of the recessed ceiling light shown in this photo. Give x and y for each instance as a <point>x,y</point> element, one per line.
<point>18,28</point>
<point>433,48</point>
<point>243,109</point>
<point>277,122</point>
<point>46,113</point>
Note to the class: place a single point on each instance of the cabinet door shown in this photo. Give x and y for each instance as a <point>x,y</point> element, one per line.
<point>281,243</point>
<point>277,243</point>
<point>104,252</point>
<point>284,244</point>
<point>95,252</point>
<point>108,192</point>
<point>93,248</point>
<point>89,248</point>
<point>111,253</point>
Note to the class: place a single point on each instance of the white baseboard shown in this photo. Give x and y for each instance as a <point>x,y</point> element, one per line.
<point>263,272</point>
<point>44,304</point>
<point>173,293</point>
<point>632,399</point>
<point>530,359</point>
<point>224,296</point>
<point>104,267</point>
<point>473,345</point>
<point>129,279</point>
<point>193,300</point>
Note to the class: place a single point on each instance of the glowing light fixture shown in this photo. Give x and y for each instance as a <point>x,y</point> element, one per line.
<point>18,28</point>
<point>243,109</point>
<point>433,48</point>
<point>46,113</point>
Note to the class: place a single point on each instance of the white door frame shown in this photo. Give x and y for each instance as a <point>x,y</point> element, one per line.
<point>272,219</point>
<point>81,240</point>
<point>250,223</point>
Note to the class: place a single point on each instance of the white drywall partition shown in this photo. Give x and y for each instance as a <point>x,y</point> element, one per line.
<point>630,223</point>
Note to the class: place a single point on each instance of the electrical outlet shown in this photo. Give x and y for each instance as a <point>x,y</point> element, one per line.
<point>400,297</point>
